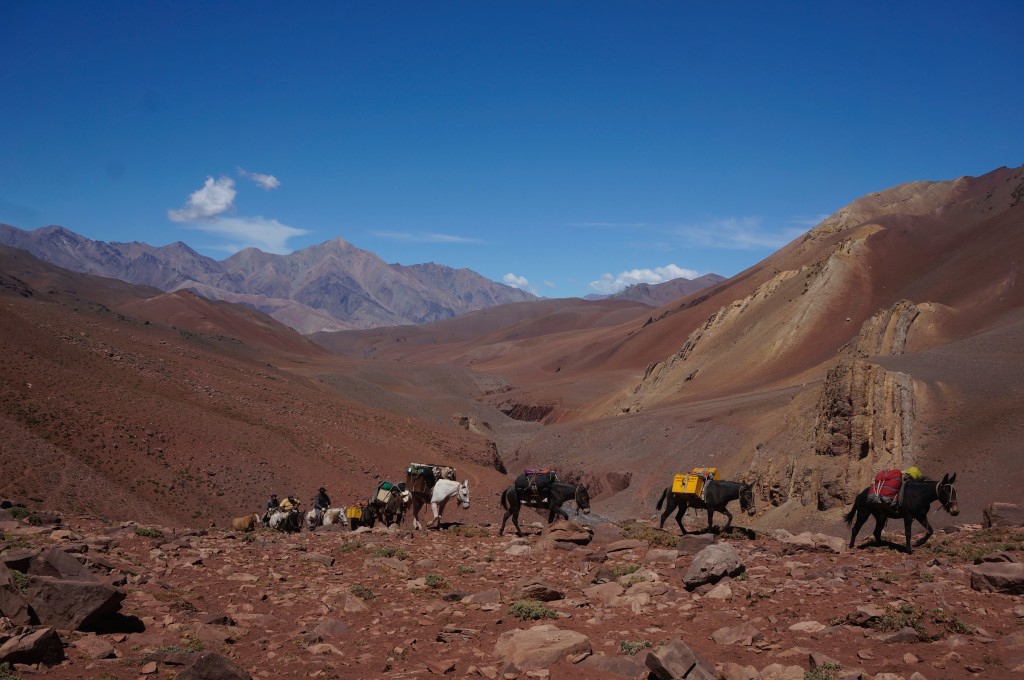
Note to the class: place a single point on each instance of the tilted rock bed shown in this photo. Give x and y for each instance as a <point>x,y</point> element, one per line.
<point>337,604</point>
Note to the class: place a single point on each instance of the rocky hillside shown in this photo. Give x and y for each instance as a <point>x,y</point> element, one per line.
<point>331,286</point>
<point>133,403</point>
<point>888,335</point>
<point>591,601</point>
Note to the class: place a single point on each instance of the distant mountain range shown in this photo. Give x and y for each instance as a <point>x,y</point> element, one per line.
<point>658,294</point>
<point>328,287</point>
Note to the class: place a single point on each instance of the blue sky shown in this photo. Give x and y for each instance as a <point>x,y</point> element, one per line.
<point>564,147</point>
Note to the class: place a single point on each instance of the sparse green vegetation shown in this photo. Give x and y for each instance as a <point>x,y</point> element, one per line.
<point>468,531</point>
<point>362,592</point>
<point>624,569</point>
<point>390,551</point>
<point>435,582</point>
<point>25,513</point>
<point>148,532</point>
<point>7,673</point>
<point>20,580</point>
<point>968,546</point>
<point>463,569</point>
<point>190,644</point>
<point>828,671</point>
<point>631,647</point>
<point>531,610</point>
<point>350,546</point>
<point>654,537</point>
<point>909,616</point>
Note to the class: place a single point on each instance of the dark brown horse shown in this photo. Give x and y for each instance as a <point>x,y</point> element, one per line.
<point>918,496</point>
<point>717,494</point>
<point>557,493</point>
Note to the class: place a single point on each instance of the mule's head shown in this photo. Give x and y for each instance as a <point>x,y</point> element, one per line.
<point>747,500</point>
<point>463,494</point>
<point>947,494</point>
<point>582,500</point>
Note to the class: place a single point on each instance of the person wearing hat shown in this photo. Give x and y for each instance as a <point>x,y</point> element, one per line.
<point>320,504</point>
<point>289,504</point>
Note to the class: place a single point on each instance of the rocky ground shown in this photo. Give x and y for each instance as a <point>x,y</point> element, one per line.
<point>465,602</point>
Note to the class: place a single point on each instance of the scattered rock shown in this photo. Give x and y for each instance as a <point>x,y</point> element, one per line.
<point>533,588</point>
<point>711,564</point>
<point>998,577</point>
<point>675,660</point>
<point>42,645</point>
<point>94,647</point>
<point>744,635</point>
<point>540,646</point>
<point>1003,515</point>
<point>71,604</point>
<point>210,666</point>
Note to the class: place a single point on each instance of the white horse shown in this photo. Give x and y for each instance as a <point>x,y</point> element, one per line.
<point>443,490</point>
<point>286,521</point>
<point>331,516</point>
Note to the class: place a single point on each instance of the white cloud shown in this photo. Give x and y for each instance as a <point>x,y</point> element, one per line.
<point>609,284</point>
<point>214,198</point>
<point>424,237</point>
<point>519,282</point>
<point>268,235</point>
<point>268,182</point>
<point>737,233</point>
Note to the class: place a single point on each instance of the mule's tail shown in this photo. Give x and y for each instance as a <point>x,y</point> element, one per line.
<point>661,501</point>
<point>848,517</point>
<point>504,499</point>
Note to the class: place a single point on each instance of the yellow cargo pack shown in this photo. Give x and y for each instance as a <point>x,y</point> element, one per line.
<point>693,483</point>
<point>354,512</point>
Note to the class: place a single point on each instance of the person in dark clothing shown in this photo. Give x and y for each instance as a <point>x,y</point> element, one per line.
<point>320,504</point>
<point>272,504</point>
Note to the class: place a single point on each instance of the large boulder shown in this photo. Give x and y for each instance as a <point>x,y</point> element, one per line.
<point>1003,515</point>
<point>534,588</point>
<point>42,645</point>
<point>540,646</point>
<point>210,666</point>
<point>71,605</point>
<point>712,564</point>
<point>998,577</point>
<point>58,563</point>
<point>675,660</point>
<point>564,531</point>
<point>12,602</point>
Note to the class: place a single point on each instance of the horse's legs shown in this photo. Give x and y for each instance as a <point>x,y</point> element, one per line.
<point>437,507</point>
<point>880,521</point>
<point>679,516</point>
<point>923,521</point>
<point>728,515</point>
<point>416,505</point>
<point>862,517</point>
<point>670,505</point>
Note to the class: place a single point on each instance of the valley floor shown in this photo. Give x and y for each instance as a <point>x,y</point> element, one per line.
<point>399,604</point>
